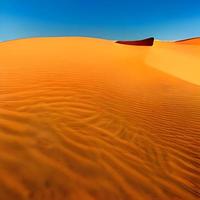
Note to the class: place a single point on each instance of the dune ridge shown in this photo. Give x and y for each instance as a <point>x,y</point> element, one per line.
<point>90,119</point>
<point>192,41</point>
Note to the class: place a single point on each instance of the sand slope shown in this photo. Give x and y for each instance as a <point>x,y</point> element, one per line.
<point>178,59</point>
<point>89,119</point>
<point>191,41</point>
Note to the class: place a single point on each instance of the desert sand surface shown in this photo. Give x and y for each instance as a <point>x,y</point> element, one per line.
<point>90,119</point>
<point>192,41</point>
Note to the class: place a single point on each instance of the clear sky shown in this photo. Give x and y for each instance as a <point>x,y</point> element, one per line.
<point>110,19</point>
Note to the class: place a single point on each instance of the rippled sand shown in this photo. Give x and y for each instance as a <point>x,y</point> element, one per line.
<point>89,119</point>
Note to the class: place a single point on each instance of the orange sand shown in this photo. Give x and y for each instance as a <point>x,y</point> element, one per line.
<point>192,41</point>
<point>87,119</point>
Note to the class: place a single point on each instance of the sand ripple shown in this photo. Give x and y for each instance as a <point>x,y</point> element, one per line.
<point>89,119</point>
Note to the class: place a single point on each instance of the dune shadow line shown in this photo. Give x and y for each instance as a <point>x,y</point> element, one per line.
<point>144,42</point>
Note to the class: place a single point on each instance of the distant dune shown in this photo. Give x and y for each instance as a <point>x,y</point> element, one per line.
<point>91,119</point>
<point>145,42</point>
<point>192,41</point>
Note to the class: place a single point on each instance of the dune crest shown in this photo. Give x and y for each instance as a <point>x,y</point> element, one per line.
<point>192,41</point>
<point>90,119</point>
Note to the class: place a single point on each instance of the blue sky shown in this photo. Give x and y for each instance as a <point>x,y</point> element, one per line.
<point>110,19</point>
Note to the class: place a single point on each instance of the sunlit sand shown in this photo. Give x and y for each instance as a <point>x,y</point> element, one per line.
<point>88,119</point>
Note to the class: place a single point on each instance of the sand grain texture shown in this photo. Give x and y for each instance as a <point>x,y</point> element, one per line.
<point>90,119</point>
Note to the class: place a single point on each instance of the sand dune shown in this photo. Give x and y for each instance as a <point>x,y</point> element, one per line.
<point>145,42</point>
<point>192,41</point>
<point>178,59</point>
<point>87,119</point>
